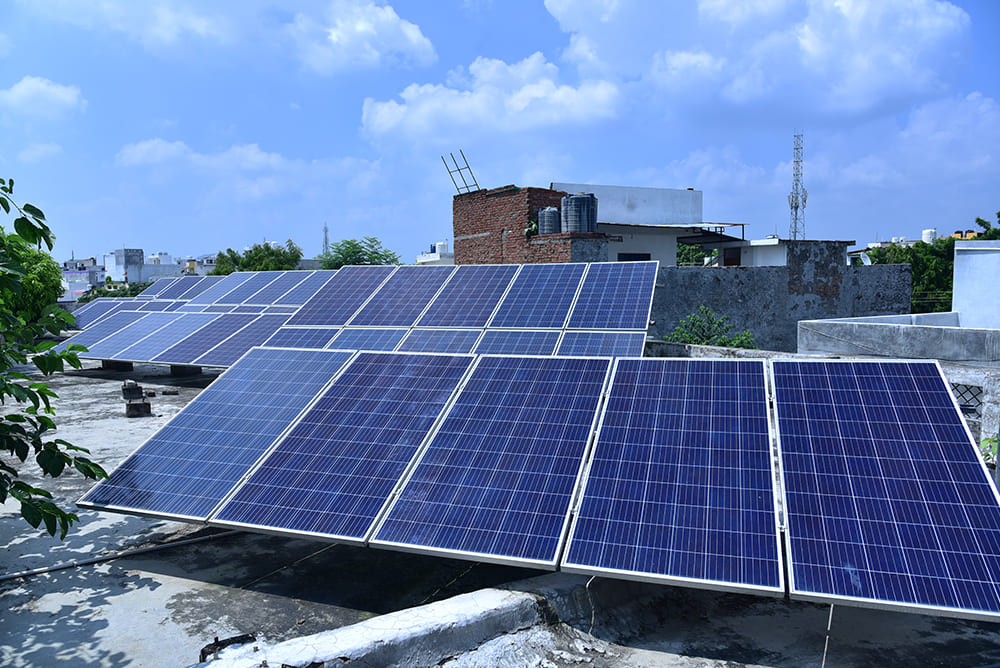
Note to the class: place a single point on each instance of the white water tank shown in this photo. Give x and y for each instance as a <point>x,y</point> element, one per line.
<point>928,236</point>
<point>441,247</point>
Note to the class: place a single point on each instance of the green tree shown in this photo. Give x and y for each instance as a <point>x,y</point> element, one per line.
<point>27,426</point>
<point>704,328</point>
<point>367,250</point>
<point>259,257</point>
<point>113,290</point>
<point>40,285</point>
<point>688,254</point>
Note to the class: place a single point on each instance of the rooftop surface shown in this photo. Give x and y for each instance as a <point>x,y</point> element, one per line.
<point>160,606</point>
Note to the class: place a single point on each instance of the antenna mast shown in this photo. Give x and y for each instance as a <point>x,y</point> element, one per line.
<point>797,198</point>
<point>326,239</point>
<point>463,172</point>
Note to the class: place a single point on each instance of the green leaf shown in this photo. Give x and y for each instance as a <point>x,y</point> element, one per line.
<point>5,204</point>
<point>31,513</point>
<point>52,461</point>
<point>34,211</point>
<point>26,229</point>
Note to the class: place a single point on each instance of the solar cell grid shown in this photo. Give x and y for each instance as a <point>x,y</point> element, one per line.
<point>165,337</point>
<point>201,286</point>
<point>540,296</point>
<point>333,473</point>
<point>518,342</point>
<point>156,305</point>
<point>338,300</point>
<point>440,340</point>
<point>305,290</point>
<point>268,294</point>
<point>258,280</point>
<point>158,286</point>
<point>615,295</point>
<point>102,329</point>
<point>180,287</point>
<point>301,337</point>
<point>193,462</point>
<point>470,297</point>
<point>110,346</point>
<point>201,340</point>
<point>401,300</point>
<point>887,500</point>
<point>367,339</point>
<point>613,344</point>
<point>680,484</point>
<point>496,481</point>
<point>90,313</point>
<point>253,334</point>
<point>220,288</point>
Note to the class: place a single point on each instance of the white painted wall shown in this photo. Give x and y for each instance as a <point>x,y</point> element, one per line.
<point>659,242</point>
<point>976,275</point>
<point>641,206</point>
<point>764,253</point>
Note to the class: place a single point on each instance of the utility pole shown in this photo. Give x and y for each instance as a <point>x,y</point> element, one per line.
<point>797,198</point>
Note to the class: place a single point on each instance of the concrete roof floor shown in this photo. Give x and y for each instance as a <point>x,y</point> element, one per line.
<point>160,607</point>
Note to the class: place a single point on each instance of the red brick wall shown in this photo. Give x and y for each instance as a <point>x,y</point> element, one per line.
<point>488,228</point>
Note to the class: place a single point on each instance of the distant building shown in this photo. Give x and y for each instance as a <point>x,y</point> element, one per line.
<point>438,254</point>
<point>129,264</point>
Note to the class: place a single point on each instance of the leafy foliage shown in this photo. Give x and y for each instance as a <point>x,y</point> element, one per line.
<point>931,266</point>
<point>114,290</point>
<point>26,426</point>
<point>704,328</point>
<point>41,283</point>
<point>689,254</point>
<point>367,250</point>
<point>259,257</point>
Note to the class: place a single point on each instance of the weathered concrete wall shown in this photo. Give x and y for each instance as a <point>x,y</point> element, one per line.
<point>769,301</point>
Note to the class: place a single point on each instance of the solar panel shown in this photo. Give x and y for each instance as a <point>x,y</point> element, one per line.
<point>301,337</point>
<point>518,342</point>
<point>540,296</point>
<point>305,290</point>
<point>615,295</point>
<point>440,340</point>
<point>203,339</point>
<point>470,297</point>
<point>680,487</point>
<point>268,294</point>
<point>401,300</point>
<point>215,308</point>
<point>165,337</point>
<point>887,501</point>
<point>254,334</point>
<point>192,308</point>
<point>341,296</point>
<point>287,310</point>
<point>221,288</point>
<point>182,285</point>
<point>613,344</point>
<point>91,312</point>
<point>334,471</point>
<point>156,305</point>
<point>497,479</point>
<point>367,339</point>
<point>99,330</point>
<point>158,286</point>
<point>201,286</point>
<point>192,463</point>
<point>247,308</point>
<point>257,281</point>
<point>107,347</point>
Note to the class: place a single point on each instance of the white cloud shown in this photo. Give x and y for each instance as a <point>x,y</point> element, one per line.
<point>153,24</point>
<point>494,96</point>
<point>38,152</point>
<point>151,152</point>
<point>672,68</point>
<point>740,11</point>
<point>359,34</point>
<point>39,97</point>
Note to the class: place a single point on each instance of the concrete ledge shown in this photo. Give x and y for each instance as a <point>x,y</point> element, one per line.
<point>425,635</point>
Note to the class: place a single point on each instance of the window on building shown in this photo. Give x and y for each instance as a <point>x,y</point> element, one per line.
<point>634,257</point>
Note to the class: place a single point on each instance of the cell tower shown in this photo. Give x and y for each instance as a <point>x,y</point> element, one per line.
<point>797,198</point>
<point>326,239</point>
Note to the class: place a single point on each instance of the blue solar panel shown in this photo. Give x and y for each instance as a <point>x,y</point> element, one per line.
<point>165,337</point>
<point>518,342</point>
<point>91,312</point>
<point>157,305</point>
<point>158,286</point>
<point>301,337</point>
<point>102,329</point>
<point>220,288</point>
<point>341,296</point>
<point>287,310</point>
<point>201,286</point>
<point>181,286</point>
<point>191,464</point>
<point>215,308</point>
<point>887,500</point>
<point>613,344</point>
<point>540,296</point>
<point>401,300</point>
<point>470,297</point>
<point>254,334</point>
<point>193,308</point>
<point>201,340</point>
<point>615,295</point>
<point>108,347</point>
<point>680,487</point>
<point>367,339</point>
<point>257,281</point>
<point>305,290</point>
<point>334,472</point>
<point>497,479</point>
<point>277,288</point>
<point>247,308</point>
<point>440,340</point>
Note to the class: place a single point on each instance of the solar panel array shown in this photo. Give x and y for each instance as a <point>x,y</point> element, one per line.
<point>655,469</point>
<point>567,309</point>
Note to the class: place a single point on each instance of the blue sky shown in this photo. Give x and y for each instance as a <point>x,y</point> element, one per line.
<point>188,127</point>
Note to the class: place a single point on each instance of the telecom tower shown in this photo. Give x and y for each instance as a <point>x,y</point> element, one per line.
<point>326,239</point>
<point>797,198</point>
